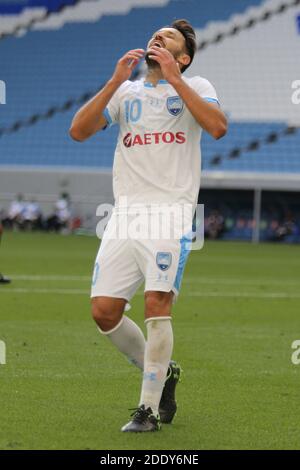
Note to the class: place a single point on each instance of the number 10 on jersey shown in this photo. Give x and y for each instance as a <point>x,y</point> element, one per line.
<point>133,110</point>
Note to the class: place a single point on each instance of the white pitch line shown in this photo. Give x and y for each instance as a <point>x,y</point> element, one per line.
<point>50,277</point>
<point>189,279</point>
<point>21,290</point>
<point>269,295</point>
<point>234,281</point>
<point>205,259</point>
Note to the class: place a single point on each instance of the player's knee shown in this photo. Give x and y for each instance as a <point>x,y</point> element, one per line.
<point>101,315</point>
<point>158,304</point>
<point>105,314</point>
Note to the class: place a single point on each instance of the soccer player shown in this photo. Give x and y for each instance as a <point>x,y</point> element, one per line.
<point>157,160</point>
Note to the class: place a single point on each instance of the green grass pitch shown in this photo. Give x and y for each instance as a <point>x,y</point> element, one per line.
<point>65,387</point>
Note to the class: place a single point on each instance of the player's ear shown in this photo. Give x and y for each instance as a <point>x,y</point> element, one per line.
<point>184,59</point>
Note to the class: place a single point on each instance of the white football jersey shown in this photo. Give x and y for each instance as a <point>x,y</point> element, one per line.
<point>157,158</point>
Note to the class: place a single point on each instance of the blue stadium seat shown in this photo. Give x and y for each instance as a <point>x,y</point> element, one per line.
<point>12,7</point>
<point>280,156</point>
<point>50,67</point>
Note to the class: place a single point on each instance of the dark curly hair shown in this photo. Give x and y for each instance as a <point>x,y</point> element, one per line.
<point>186,29</point>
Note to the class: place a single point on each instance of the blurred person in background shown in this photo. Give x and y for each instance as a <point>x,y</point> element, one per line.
<point>15,215</point>
<point>32,216</point>
<point>285,228</point>
<point>214,225</point>
<point>61,217</point>
<point>3,280</point>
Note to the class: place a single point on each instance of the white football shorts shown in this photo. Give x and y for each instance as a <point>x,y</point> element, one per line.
<point>123,264</point>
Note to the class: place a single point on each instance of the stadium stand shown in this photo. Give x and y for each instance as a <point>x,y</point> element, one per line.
<point>263,147</point>
<point>63,58</point>
<point>39,67</point>
<point>19,16</point>
<point>16,7</point>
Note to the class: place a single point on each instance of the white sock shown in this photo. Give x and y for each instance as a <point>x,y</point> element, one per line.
<point>129,339</point>
<point>157,357</point>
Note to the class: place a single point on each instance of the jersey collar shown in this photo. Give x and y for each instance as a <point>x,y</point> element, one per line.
<point>150,85</point>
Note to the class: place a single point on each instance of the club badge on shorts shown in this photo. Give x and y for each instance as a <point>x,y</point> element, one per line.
<point>174,105</point>
<point>164,260</point>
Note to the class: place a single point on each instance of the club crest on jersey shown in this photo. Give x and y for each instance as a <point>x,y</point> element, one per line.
<point>174,105</point>
<point>163,260</point>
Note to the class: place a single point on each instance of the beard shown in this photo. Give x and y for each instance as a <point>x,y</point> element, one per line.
<point>152,64</point>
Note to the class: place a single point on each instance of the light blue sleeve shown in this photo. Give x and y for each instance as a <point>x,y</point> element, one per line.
<point>211,100</point>
<point>205,89</point>
<point>112,110</point>
<point>107,117</point>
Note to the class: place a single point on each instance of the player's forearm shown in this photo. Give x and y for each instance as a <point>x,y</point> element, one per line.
<point>89,119</point>
<point>208,117</point>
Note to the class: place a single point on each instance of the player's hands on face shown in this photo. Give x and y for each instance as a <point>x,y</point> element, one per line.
<point>126,64</point>
<point>169,67</point>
